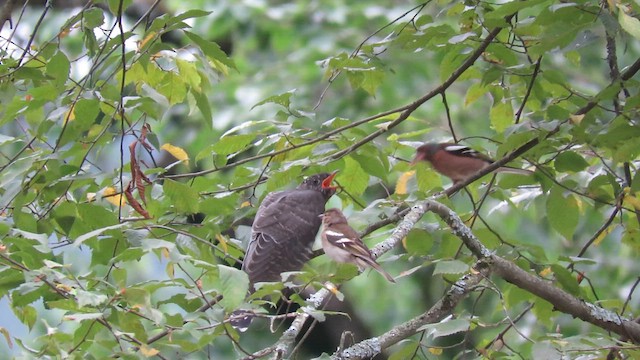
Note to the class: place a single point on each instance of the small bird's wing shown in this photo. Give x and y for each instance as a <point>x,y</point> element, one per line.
<point>349,240</point>
<point>465,151</point>
<point>283,233</point>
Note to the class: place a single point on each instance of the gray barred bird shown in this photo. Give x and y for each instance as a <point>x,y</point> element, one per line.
<point>285,228</point>
<point>458,162</point>
<point>343,244</point>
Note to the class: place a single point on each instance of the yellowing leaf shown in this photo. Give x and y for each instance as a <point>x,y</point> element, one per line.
<point>146,39</point>
<point>401,185</point>
<point>70,115</point>
<point>65,288</point>
<point>603,234</point>
<point>632,200</point>
<point>223,242</point>
<point>170,270</point>
<point>334,290</point>
<point>176,152</point>
<point>435,351</point>
<point>165,252</point>
<point>545,272</point>
<point>63,34</point>
<point>576,119</point>
<point>7,336</point>
<point>111,195</point>
<point>384,125</point>
<point>148,351</point>
<point>245,204</point>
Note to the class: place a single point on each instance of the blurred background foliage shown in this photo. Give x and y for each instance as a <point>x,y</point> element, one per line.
<point>221,103</point>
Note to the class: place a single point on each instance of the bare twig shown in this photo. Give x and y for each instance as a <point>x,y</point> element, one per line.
<point>536,71</point>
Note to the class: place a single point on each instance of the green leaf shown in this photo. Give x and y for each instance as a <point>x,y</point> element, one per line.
<point>9,280</point>
<point>501,115</point>
<point>202,102</point>
<point>189,73</point>
<point>232,143</point>
<point>353,178</point>
<point>234,284</point>
<point>211,50</point>
<point>82,238</point>
<point>569,161</point>
<point>512,7</point>
<point>516,295</point>
<point>86,111</point>
<point>189,14</point>
<point>562,212</point>
<point>543,310</point>
<point>86,298</point>
<point>475,91</point>
<point>173,88</point>
<point>545,350</point>
<point>446,328</point>
<point>373,163</point>
<point>566,279</point>
<point>58,67</point>
<point>83,316</point>
<point>627,151</point>
<point>93,18</point>
<point>283,99</point>
<point>428,179</point>
<point>114,5</point>
<point>373,78</point>
<point>184,198</point>
<point>407,351</point>
<point>450,267</point>
<point>418,242</point>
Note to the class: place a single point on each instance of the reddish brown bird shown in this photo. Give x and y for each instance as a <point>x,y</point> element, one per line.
<point>285,228</point>
<point>458,162</point>
<point>342,243</point>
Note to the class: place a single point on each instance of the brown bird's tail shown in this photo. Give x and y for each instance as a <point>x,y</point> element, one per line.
<point>372,263</point>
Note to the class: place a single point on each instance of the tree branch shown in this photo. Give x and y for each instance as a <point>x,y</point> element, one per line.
<point>444,307</point>
<point>560,299</point>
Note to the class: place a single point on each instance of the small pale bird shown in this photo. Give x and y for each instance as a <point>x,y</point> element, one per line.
<point>458,162</point>
<point>342,243</point>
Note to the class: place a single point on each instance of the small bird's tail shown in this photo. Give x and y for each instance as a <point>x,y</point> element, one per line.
<point>512,170</point>
<point>384,273</point>
<point>377,267</point>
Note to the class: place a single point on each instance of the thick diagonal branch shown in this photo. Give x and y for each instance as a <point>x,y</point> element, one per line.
<point>560,299</point>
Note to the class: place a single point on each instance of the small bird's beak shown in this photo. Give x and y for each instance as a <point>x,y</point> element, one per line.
<point>419,157</point>
<point>326,183</point>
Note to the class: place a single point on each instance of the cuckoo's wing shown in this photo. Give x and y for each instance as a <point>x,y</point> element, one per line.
<point>283,233</point>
